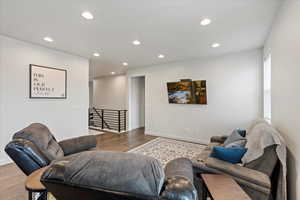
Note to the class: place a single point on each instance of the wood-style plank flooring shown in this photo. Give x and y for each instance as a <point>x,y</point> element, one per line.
<point>12,179</point>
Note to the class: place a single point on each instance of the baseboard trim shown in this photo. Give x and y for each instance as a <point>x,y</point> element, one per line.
<point>175,137</point>
<point>105,130</point>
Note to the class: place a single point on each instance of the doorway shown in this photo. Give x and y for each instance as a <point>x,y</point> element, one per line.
<point>137,102</point>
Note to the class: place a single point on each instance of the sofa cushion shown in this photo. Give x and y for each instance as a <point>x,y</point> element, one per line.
<point>237,144</point>
<point>239,172</point>
<point>41,136</point>
<point>234,137</point>
<point>218,139</point>
<point>113,171</point>
<point>203,155</point>
<point>232,155</point>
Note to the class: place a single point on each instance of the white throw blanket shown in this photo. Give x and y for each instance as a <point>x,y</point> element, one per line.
<point>260,136</point>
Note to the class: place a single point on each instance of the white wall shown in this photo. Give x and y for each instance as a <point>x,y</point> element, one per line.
<point>137,102</point>
<point>234,89</point>
<point>284,46</point>
<point>110,92</point>
<point>65,118</point>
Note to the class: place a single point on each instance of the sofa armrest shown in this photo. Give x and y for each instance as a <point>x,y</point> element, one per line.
<point>218,139</point>
<point>78,144</point>
<point>239,172</point>
<point>179,182</point>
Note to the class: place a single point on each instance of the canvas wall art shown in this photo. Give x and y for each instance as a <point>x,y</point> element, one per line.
<point>187,92</point>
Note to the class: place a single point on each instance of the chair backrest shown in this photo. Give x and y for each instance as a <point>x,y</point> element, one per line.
<point>33,147</point>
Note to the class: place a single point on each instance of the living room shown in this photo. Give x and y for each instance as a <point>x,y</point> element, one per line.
<point>124,82</point>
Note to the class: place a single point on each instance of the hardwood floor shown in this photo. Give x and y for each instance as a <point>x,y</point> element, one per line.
<point>12,179</point>
<point>123,142</point>
<point>12,182</point>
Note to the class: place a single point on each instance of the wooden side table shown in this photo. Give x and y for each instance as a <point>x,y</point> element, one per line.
<point>222,187</point>
<point>33,184</point>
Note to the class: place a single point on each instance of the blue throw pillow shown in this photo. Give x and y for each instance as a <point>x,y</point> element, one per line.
<point>232,155</point>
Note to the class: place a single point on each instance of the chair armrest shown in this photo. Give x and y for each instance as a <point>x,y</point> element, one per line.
<point>179,188</point>
<point>180,167</point>
<point>78,144</point>
<point>179,182</point>
<point>246,174</point>
<point>218,139</point>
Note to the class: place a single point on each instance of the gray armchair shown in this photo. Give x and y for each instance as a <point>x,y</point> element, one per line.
<point>35,147</point>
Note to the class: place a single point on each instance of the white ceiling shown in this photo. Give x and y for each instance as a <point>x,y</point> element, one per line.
<point>169,27</point>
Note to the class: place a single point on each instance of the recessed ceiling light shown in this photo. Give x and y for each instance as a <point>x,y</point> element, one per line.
<point>136,42</point>
<point>48,39</point>
<point>161,56</point>
<point>87,15</point>
<point>96,54</point>
<point>215,45</point>
<point>125,63</point>
<point>205,22</point>
<point>113,73</point>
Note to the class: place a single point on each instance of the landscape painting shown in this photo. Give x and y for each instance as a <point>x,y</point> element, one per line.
<point>180,92</point>
<point>187,92</point>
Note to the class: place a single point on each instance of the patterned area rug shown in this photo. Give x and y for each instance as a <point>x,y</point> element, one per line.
<point>165,150</point>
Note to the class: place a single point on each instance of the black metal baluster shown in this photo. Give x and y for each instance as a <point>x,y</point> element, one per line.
<point>125,120</point>
<point>119,120</point>
<point>102,119</point>
<point>108,119</point>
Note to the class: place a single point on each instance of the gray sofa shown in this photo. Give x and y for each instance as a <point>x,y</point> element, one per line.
<point>260,177</point>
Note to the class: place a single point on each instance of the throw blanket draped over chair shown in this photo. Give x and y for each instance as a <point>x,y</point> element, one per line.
<point>257,143</point>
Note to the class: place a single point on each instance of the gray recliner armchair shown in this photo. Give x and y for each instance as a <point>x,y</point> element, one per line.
<point>35,147</point>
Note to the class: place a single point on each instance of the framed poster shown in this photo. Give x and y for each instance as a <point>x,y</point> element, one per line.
<point>47,82</point>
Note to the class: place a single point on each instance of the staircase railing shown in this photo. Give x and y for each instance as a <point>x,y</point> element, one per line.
<point>108,119</point>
